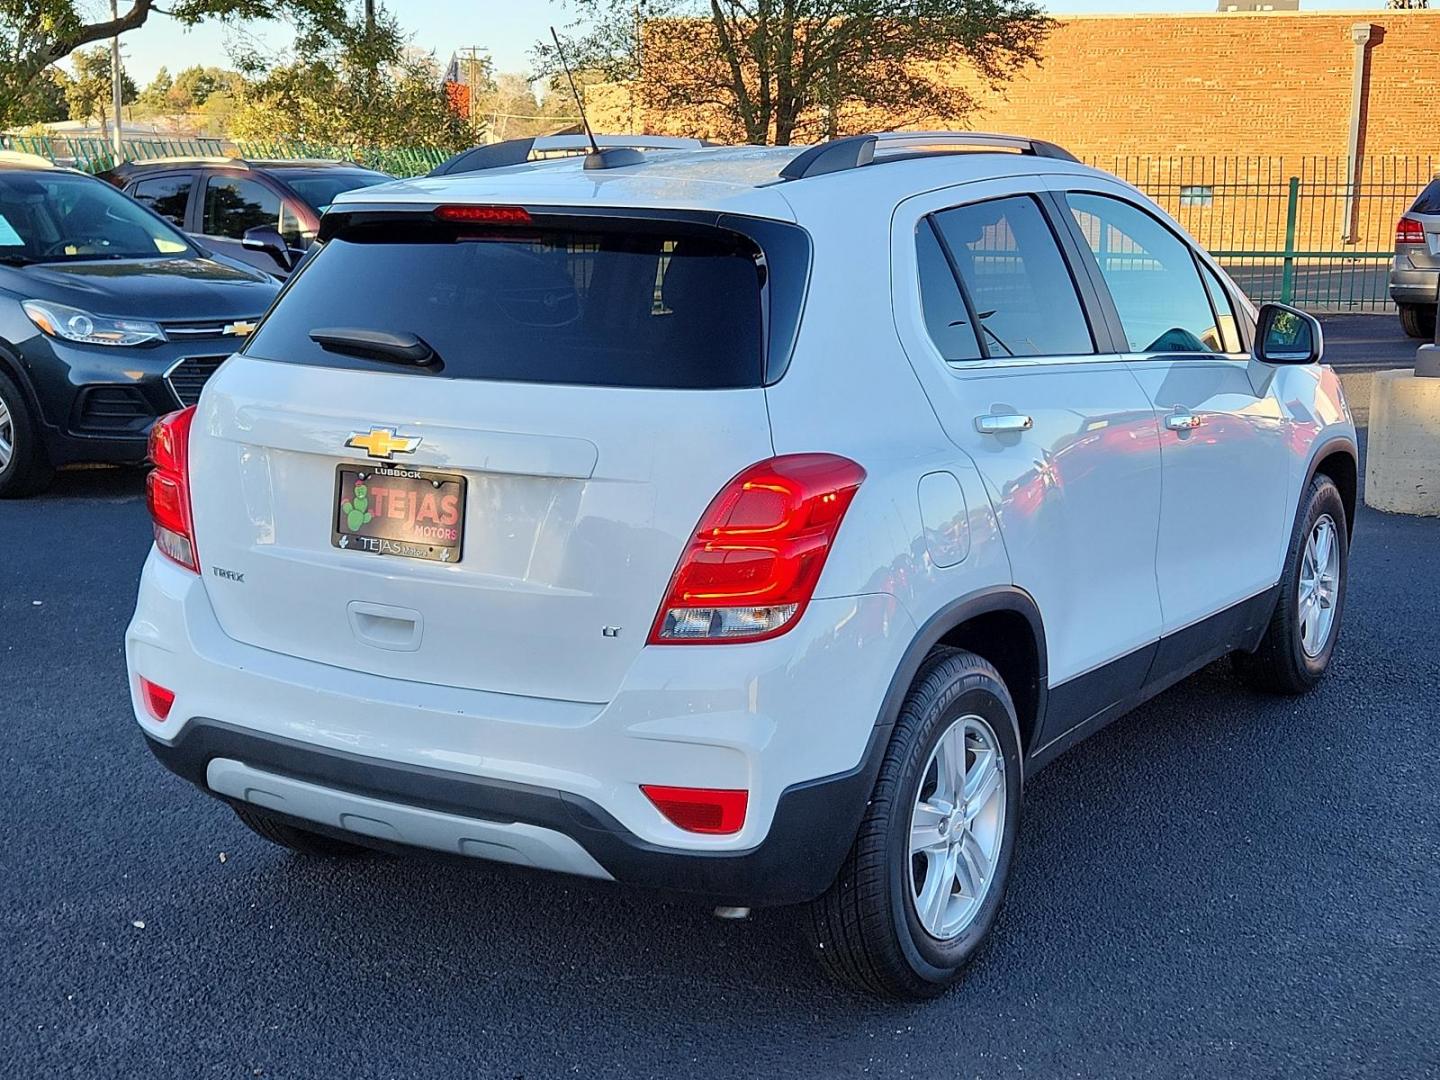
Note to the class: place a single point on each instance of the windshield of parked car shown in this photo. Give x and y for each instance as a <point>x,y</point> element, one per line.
<point>66,217</point>
<point>319,187</point>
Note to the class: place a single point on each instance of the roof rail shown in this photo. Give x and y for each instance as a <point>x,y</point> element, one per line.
<point>518,151</point>
<point>191,159</point>
<point>853,151</point>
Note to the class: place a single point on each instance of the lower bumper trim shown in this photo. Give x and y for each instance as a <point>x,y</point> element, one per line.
<point>508,842</point>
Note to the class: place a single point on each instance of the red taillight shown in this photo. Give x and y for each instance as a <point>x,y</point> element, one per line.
<point>1408,230</point>
<point>753,561</point>
<point>167,488</point>
<point>700,810</point>
<point>485,215</point>
<point>157,699</point>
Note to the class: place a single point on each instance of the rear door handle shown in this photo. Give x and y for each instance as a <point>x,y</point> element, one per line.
<point>1182,421</point>
<point>992,424</point>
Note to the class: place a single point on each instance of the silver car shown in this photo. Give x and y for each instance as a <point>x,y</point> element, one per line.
<point>1415,275</point>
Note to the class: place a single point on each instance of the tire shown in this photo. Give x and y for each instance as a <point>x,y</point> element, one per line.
<point>24,467</point>
<point>296,839</point>
<point>1292,658</point>
<point>868,930</point>
<point>1418,320</point>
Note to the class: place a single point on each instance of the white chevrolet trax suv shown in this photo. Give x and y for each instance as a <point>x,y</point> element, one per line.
<point>748,522</point>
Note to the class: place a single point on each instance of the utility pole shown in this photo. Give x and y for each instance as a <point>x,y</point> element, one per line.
<point>115,77</point>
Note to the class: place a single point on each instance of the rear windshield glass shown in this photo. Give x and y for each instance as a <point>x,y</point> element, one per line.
<point>1429,200</point>
<point>677,307</point>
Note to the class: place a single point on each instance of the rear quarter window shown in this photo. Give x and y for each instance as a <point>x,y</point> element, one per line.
<point>1429,200</point>
<point>658,306</point>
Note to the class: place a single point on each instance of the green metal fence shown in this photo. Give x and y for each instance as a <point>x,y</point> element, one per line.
<point>1290,229</point>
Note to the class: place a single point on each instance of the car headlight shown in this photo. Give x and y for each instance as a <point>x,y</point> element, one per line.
<point>72,324</point>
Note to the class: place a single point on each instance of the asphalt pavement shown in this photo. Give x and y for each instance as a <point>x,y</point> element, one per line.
<point>1363,342</point>
<point>1218,885</point>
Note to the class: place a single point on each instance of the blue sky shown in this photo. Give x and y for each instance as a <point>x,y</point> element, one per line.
<point>508,28</point>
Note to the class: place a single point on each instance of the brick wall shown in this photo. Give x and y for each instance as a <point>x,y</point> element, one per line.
<point>1237,103</point>
<point>1271,83</point>
<point>1265,83</point>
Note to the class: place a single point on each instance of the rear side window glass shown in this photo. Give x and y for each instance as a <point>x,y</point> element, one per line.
<point>660,306</point>
<point>232,206</point>
<point>166,195</point>
<point>945,314</point>
<point>1017,279</point>
<point>1429,200</point>
<point>1152,277</point>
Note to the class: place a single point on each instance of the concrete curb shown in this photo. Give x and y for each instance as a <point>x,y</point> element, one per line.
<point>1402,459</point>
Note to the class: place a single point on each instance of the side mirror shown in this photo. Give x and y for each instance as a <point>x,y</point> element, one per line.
<point>267,238</point>
<point>1287,335</point>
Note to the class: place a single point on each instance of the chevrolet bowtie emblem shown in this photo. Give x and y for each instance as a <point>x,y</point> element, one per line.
<point>383,442</point>
<point>239,329</point>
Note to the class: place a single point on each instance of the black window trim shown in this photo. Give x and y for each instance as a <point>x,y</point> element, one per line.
<point>1085,294</point>
<point>1107,302</point>
<point>145,177</point>
<point>208,176</point>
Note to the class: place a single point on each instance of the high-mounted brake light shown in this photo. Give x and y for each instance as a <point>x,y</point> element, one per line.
<point>158,700</point>
<point>700,810</point>
<point>1409,230</point>
<point>753,561</point>
<point>485,215</point>
<point>167,488</point>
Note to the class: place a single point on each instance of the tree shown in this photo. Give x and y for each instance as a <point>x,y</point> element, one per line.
<point>89,90</point>
<point>34,34</point>
<point>771,70</point>
<point>44,101</point>
<point>359,86</point>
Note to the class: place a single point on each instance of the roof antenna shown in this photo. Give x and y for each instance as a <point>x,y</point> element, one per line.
<point>611,158</point>
<point>579,104</point>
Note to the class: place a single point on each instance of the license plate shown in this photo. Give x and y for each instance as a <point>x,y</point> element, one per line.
<point>390,510</point>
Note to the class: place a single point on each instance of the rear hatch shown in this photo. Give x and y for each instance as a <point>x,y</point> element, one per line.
<point>505,513</point>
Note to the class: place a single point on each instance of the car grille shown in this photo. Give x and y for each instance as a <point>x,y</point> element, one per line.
<point>189,376</point>
<point>205,329</point>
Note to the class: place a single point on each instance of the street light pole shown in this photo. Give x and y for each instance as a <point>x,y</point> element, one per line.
<point>115,77</point>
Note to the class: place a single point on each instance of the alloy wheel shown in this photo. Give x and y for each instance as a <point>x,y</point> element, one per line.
<point>1319,586</point>
<point>7,436</point>
<point>957,827</point>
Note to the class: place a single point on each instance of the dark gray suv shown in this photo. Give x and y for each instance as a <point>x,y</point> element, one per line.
<point>1415,275</point>
<point>262,212</point>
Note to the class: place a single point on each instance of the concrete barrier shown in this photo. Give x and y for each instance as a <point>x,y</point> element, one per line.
<point>1402,458</point>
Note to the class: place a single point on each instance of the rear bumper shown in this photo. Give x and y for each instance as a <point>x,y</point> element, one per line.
<point>791,720</point>
<point>354,796</point>
<point>1413,285</point>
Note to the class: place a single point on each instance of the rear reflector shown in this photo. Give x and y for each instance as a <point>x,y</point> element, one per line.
<point>485,215</point>
<point>1409,230</point>
<point>719,811</point>
<point>756,556</point>
<point>157,699</point>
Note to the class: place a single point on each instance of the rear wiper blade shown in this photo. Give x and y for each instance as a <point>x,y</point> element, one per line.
<point>401,348</point>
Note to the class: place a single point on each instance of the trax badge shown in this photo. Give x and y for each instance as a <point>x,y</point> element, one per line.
<point>239,329</point>
<point>383,442</point>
